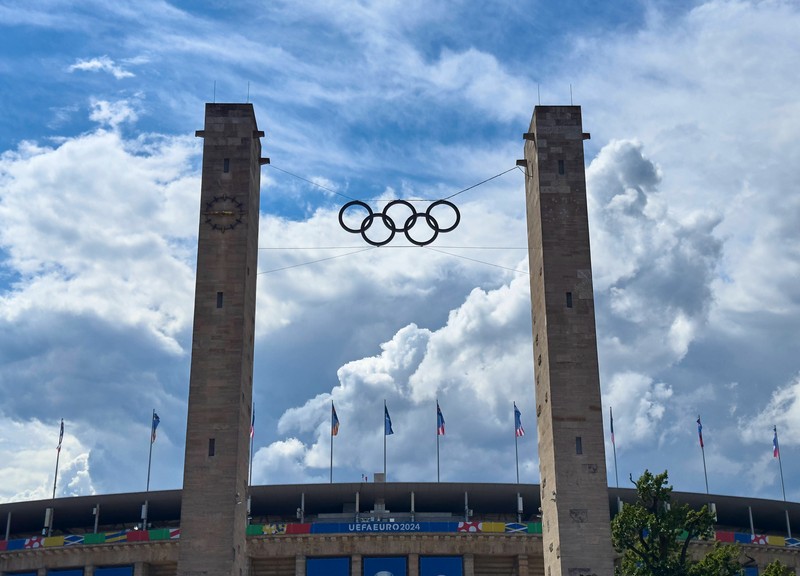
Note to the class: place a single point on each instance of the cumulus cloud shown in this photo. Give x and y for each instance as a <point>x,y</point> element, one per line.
<point>475,365</point>
<point>640,404</point>
<point>652,269</point>
<point>101,64</point>
<point>112,114</point>
<point>99,226</point>
<point>28,453</point>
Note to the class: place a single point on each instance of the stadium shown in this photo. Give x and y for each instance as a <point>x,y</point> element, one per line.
<point>342,529</point>
<point>220,525</point>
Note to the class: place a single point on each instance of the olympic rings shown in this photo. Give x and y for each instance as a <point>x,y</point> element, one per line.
<point>406,228</point>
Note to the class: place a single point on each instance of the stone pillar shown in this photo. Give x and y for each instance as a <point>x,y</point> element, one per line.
<point>216,463</point>
<point>522,565</point>
<point>300,565</point>
<point>469,565</point>
<point>576,531</point>
<point>413,565</point>
<point>355,565</point>
<point>88,570</point>
<point>141,569</point>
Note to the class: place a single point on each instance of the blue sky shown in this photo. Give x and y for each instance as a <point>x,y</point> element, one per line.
<point>691,169</point>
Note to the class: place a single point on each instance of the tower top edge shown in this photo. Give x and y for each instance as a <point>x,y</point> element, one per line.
<point>231,110</point>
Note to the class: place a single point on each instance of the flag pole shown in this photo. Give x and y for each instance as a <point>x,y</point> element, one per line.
<point>58,455</point>
<point>146,509</point>
<point>702,450</point>
<point>332,425</point>
<point>150,457</point>
<point>437,439</point>
<point>385,411</point>
<point>777,452</point>
<point>614,445</point>
<point>516,451</point>
<point>252,441</point>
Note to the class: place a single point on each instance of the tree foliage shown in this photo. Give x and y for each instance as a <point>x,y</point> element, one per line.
<point>654,535</point>
<point>777,569</point>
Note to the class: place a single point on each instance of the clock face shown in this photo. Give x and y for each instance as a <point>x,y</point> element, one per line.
<point>223,213</point>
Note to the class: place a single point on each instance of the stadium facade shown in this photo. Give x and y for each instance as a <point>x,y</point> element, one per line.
<point>218,525</point>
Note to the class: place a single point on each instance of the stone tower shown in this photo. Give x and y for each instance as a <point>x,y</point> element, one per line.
<point>574,489</point>
<point>215,478</point>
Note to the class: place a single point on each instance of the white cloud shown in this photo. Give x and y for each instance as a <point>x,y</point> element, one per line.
<point>28,453</point>
<point>101,64</point>
<point>655,270</point>
<point>640,405</point>
<point>476,365</point>
<point>112,114</point>
<point>100,226</point>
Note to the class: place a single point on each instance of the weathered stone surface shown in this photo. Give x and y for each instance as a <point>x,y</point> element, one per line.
<point>574,491</point>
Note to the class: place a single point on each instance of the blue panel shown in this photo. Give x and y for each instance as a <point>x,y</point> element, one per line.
<point>328,567</point>
<point>114,571</point>
<point>34,573</point>
<point>751,571</point>
<point>71,572</point>
<point>16,545</point>
<point>394,566</point>
<point>440,566</point>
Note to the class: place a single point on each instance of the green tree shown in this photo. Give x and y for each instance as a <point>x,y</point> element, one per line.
<point>777,569</point>
<point>654,535</point>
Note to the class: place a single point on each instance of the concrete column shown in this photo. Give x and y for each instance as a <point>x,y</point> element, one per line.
<point>469,565</point>
<point>141,569</point>
<point>522,565</point>
<point>300,565</point>
<point>88,570</point>
<point>355,565</point>
<point>42,572</point>
<point>413,565</point>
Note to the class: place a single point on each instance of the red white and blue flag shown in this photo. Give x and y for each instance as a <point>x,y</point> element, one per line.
<point>518,429</point>
<point>253,423</point>
<point>439,421</point>
<point>776,451</point>
<point>700,431</point>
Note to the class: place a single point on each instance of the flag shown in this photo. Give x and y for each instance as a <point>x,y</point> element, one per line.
<point>334,421</point>
<point>518,429</point>
<point>439,421</point>
<point>776,453</point>
<point>253,423</point>
<point>60,436</point>
<point>156,422</point>
<point>611,413</point>
<point>700,432</point>
<point>387,422</point>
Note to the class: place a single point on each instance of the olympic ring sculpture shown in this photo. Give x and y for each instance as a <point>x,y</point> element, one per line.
<point>393,228</point>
